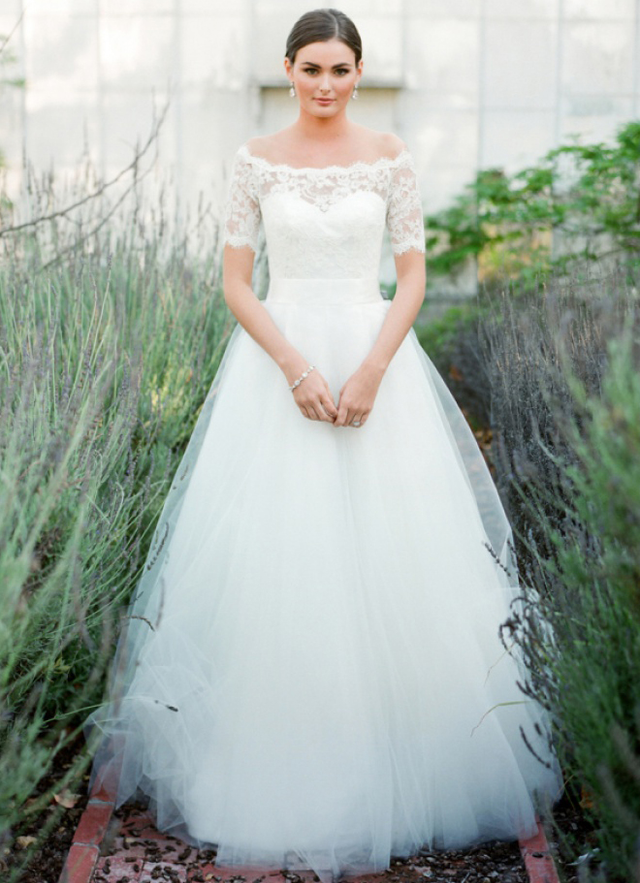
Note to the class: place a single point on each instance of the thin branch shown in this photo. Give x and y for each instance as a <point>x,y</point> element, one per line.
<point>99,226</point>
<point>131,167</point>
<point>11,32</point>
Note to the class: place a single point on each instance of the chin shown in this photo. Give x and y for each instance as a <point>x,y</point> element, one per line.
<point>328,109</point>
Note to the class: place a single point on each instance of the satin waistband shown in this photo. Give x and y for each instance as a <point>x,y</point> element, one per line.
<point>324,291</point>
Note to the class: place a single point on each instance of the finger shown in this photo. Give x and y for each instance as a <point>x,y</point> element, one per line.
<point>324,415</point>
<point>351,416</point>
<point>330,408</point>
<point>303,411</point>
<point>342,415</point>
<point>357,418</point>
<point>328,404</point>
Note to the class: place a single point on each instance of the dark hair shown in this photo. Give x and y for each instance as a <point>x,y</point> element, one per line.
<point>319,26</point>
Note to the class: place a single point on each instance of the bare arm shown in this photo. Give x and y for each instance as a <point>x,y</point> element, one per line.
<point>359,392</point>
<point>404,309</point>
<point>312,396</point>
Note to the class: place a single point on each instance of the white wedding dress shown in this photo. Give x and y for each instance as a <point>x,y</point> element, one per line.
<point>311,672</point>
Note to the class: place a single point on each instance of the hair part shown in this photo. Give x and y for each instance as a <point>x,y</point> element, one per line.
<point>319,26</point>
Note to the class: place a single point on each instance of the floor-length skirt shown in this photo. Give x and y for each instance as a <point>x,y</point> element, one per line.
<point>311,663</point>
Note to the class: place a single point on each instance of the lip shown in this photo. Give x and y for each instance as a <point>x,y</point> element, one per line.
<point>324,100</point>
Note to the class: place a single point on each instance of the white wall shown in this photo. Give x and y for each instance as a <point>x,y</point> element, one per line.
<point>467,83</point>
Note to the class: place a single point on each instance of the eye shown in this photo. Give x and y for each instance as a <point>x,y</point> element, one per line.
<point>342,70</point>
<point>310,70</point>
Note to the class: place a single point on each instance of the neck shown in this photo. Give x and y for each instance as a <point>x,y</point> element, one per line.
<point>321,129</point>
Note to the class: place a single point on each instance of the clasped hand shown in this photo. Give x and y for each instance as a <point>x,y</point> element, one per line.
<point>357,395</point>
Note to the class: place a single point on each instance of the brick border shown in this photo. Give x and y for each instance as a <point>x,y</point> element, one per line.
<point>537,858</point>
<point>84,852</point>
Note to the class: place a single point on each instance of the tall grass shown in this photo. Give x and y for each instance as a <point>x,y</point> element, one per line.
<point>111,330</point>
<point>563,367</point>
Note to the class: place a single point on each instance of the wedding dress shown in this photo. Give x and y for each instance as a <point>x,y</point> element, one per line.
<point>311,670</point>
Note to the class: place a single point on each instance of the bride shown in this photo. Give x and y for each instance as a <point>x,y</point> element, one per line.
<point>311,674</point>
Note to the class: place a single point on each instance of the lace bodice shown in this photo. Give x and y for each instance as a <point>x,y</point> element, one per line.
<point>324,222</point>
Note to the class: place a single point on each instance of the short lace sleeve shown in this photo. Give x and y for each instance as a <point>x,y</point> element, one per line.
<point>404,209</point>
<point>242,213</point>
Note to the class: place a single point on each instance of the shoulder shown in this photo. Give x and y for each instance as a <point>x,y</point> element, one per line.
<point>402,163</point>
<point>382,144</point>
<point>253,148</point>
<point>391,145</point>
<point>257,146</point>
<point>267,147</point>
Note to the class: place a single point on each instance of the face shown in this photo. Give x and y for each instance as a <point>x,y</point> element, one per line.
<point>324,75</point>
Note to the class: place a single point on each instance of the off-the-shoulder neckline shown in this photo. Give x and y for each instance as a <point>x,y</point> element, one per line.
<point>359,163</point>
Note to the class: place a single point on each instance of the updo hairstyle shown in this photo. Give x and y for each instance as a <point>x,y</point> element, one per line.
<point>321,25</point>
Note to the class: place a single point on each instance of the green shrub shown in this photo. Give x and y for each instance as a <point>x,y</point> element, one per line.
<point>577,206</point>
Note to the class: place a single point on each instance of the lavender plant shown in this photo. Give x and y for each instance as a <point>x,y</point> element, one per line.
<point>565,405</point>
<point>112,325</point>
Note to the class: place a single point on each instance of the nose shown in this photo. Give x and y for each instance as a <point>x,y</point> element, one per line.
<point>324,84</point>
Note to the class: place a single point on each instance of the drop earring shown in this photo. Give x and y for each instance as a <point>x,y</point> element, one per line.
<point>292,91</point>
<point>355,92</point>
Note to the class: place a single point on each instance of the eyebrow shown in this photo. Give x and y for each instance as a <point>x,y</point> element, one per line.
<point>314,64</point>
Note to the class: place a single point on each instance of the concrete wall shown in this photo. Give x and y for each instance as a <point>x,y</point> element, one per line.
<point>467,83</point>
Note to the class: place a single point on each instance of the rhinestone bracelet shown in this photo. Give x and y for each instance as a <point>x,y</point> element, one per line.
<point>300,379</point>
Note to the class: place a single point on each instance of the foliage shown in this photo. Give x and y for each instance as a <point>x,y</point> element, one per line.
<point>437,335</point>
<point>565,400</point>
<point>578,205</point>
<point>451,342</point>
<point>111,329</point>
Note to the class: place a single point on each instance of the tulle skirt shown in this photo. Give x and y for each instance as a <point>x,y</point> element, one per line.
<point>311,665</point>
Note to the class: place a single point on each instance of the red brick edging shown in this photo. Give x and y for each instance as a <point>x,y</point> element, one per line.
<point>538,859</point>
<point>85,848</point>
<point>83,855</point>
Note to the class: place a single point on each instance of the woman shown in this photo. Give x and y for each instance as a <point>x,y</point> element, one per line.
<point>311,670</point>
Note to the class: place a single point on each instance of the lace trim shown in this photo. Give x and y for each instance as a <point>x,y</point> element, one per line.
<point>408,245</point>
<point>240,241</point>
<point>359,164</point>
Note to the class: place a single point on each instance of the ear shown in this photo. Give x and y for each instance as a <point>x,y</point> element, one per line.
<point>287,66</point>
<point>360,66</point>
